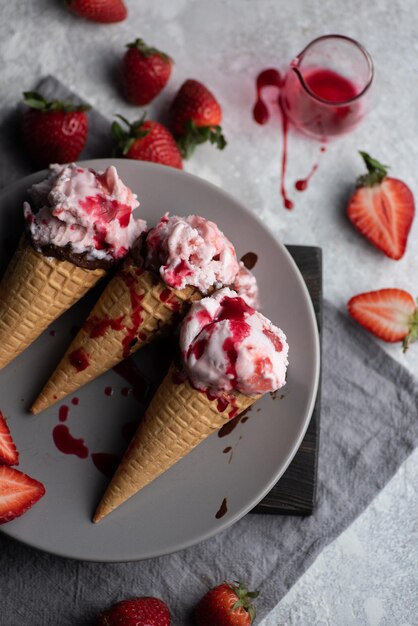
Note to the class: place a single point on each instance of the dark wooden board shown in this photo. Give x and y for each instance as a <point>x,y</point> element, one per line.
<point>294,493</point>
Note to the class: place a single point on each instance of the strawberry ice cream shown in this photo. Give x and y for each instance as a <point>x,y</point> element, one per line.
<point>245,284</point>
<point>191,251</point>
<point>227,345</point>
<point>83,216</point>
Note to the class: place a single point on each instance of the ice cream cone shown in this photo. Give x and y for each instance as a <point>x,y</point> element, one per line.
<point>134,308</point>
<point>178,418</point>
<point>34,292</point>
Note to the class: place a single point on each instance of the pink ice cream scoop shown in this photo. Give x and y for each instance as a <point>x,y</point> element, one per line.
<point>191,251</point>
<point>245,284</point>
<point>85,211</point>
<point>227,345</point>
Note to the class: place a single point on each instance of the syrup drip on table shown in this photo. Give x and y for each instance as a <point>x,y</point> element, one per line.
<point>272,78</point>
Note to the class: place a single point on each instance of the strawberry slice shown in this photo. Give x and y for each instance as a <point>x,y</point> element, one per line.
<point>8,453</point>
<point>382,209</point>
<point>18,493</point>
<point>390,314</point>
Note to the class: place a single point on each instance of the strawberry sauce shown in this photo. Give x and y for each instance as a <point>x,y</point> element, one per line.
<point>136,310</point>
<point>106,210</point>
<point>272,78</point>
<point>79,359</point>
<point>167,297</point>
<point>67,444</point>
<point>63,413</point>
<point>178,273</point>
<point>268,78</point>
<point>96,327</point>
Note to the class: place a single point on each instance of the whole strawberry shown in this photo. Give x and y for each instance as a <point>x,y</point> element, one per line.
<point>145,72</point>
<point>146,140</point>
<point>146,611</point>
<point>195,118</point>
<point>389,314</point>
<point>53,131</point>
<point>228,604</point>
<point>382,209</point>
<point>102,11</point>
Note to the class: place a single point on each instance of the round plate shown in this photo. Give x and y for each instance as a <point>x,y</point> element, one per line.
<point>180,508</point>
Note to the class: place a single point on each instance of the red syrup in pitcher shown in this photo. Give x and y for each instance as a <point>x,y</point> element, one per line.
<point>319,102</point>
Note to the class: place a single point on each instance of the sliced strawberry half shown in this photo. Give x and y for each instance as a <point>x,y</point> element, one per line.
<point>390,314</point>
<point>18,493</point>
<point>8,453</point>
<point>382,209</point>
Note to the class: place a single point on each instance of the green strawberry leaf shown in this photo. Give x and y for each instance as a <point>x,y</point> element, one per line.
<point>195,135</point>
<point>36,101</point>
<point>124,139</point>
<point>376,171</point>
<point>148,51</point>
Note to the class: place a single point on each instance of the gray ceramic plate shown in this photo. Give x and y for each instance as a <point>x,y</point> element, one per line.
<point>178,509</point>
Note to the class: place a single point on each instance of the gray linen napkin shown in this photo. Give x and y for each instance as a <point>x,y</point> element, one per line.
<point>368,427</point>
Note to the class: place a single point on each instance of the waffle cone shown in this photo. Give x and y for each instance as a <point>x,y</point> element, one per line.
<point>34,292</point>
<point>134,308</point>
<point>178,418</point>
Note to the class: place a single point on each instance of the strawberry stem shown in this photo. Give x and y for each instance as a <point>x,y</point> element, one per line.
<point>376,171</point>
<point>124,139</point>
<point>195,135</point>
<point>34,100</point>
<point>148,51</point>
<point>244,598</point>
<point>413,330</point>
